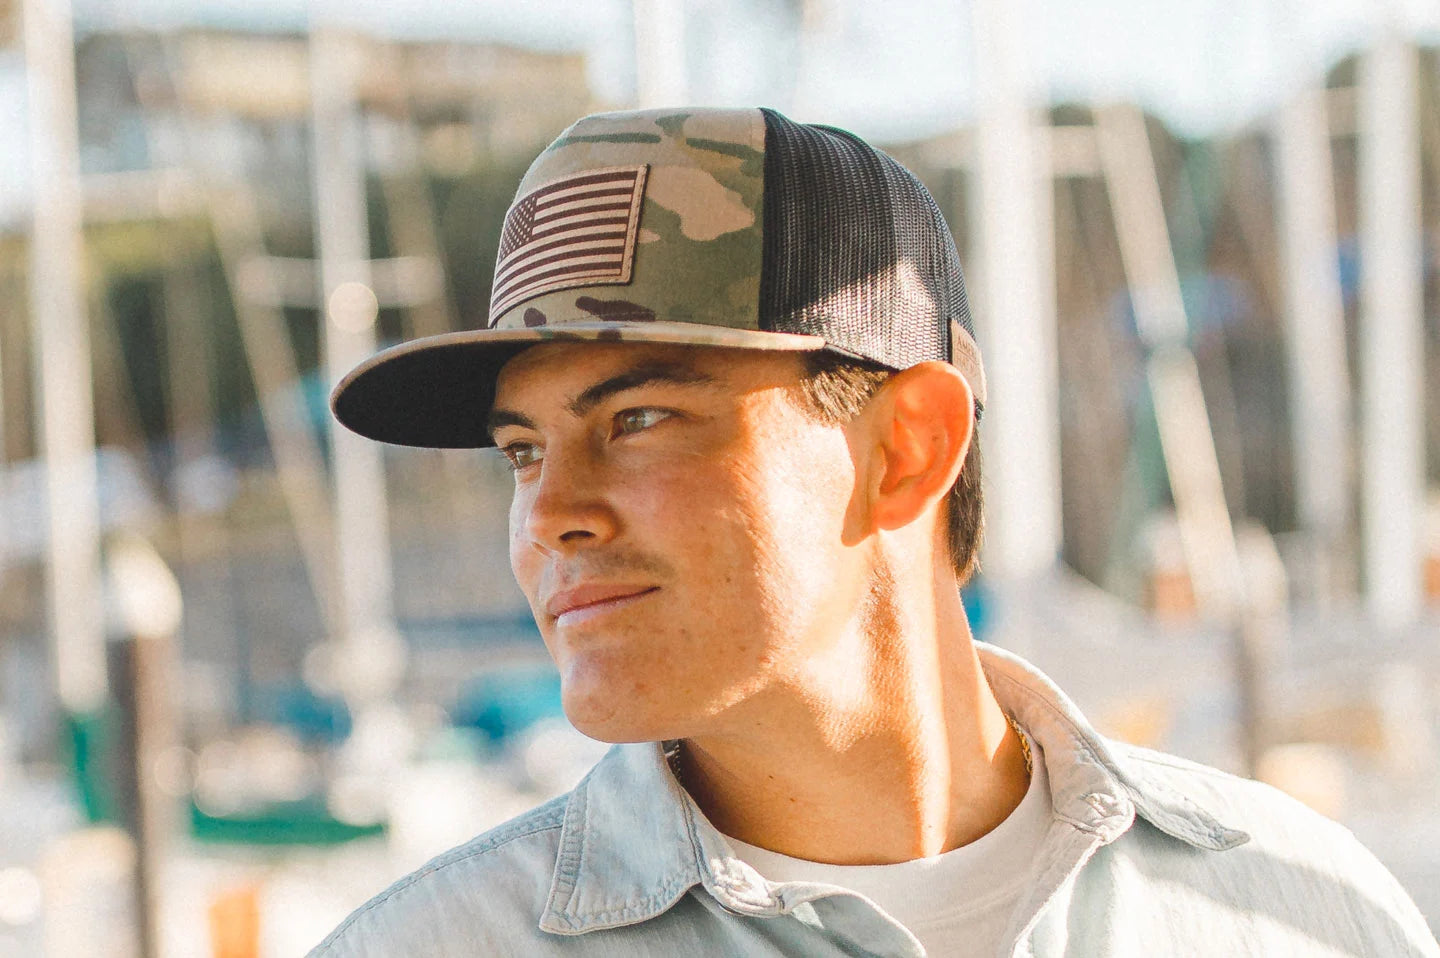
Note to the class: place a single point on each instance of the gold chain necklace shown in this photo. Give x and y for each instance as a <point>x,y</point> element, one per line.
<point>1024,745</point>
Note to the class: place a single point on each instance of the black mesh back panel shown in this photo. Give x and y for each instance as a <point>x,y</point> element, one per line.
<point>855,250</point>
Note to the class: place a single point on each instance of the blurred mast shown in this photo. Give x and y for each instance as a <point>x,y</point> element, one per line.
<point>142,665</point>
<point>1392,346</point>
<point>1239,586</point>
<point>299,463</point>
<point>235,222</point>
<point>349,309</point>
<point>1016,271</point>
<point>1319,375</point>
<point>1154,285</point>
<point>62,356</point>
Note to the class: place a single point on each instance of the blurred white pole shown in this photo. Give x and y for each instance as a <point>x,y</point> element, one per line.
<point>660,77</point>
<point>61,345</point>
<point>4,475</point>
<point>1016,305</point>
<point>1314,318</point>
<point>362,546</point>
<point>1391,338</point>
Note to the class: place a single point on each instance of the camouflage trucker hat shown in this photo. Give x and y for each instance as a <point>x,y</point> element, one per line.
<point>722,227</point>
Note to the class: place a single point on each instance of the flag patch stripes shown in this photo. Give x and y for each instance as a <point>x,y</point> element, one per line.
<point>577,231</point>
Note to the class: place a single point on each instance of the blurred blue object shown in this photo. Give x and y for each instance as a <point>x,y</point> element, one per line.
<point>502,704</point>
<point>314,718</point>
<point>976,599</point>
<point>502,629</point>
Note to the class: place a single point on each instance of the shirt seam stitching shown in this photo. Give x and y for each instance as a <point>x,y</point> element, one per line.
<point>569,860</point>
<point>632,908</point>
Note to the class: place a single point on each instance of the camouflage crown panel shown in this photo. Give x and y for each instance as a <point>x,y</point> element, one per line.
<point>697,252</point>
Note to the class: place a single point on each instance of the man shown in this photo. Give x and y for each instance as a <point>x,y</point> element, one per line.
<point>730,361</point>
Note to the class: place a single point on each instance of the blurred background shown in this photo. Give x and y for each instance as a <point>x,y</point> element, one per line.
<point>253,669</point>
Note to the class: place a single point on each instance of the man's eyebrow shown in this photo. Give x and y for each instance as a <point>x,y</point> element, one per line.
<point>499,418</point>
<point>646,374</point>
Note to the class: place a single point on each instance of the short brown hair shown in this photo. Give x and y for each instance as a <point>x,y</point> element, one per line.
<point>835,389</point>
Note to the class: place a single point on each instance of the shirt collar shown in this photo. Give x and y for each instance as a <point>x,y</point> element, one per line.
<point>1093,785</point>
<point>633,842</point>
<point>629,844</point>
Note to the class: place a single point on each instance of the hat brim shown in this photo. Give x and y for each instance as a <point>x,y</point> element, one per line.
<point>437,391</point>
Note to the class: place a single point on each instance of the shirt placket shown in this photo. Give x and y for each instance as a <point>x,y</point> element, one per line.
<point>853,923</point>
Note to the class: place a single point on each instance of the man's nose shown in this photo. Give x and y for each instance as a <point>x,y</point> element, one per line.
<point>568,508</point>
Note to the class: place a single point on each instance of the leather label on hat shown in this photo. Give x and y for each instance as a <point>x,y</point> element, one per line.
<point>965,356</point>
<point>576,231</point>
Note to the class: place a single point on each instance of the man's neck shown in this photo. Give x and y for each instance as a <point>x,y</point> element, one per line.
<point>892,747</point>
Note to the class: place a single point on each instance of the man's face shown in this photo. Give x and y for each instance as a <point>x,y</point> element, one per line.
<point>677,527</point>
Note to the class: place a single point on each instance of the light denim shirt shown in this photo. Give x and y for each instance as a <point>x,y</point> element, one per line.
<point>1147,855</point>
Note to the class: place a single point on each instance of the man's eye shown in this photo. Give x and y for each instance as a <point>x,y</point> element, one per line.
<point>521,454</point>
<point>635,420</point>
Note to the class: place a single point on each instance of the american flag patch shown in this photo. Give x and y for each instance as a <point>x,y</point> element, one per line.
<point>576,231</point>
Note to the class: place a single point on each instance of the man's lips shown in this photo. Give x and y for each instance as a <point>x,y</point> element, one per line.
<point>593,597</point>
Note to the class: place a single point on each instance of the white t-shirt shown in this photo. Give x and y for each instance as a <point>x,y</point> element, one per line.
<point>958,903</point>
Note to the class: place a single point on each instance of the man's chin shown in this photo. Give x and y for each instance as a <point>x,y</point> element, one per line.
<point>616,731</point>
<point>614,717</point>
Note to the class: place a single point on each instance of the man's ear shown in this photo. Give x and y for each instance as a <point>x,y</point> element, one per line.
<point>919,427</point>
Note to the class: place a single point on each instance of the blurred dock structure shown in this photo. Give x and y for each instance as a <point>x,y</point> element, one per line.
<point>1213,457</point>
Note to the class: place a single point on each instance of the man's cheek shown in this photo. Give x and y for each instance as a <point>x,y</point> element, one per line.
<point>521,553</point>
